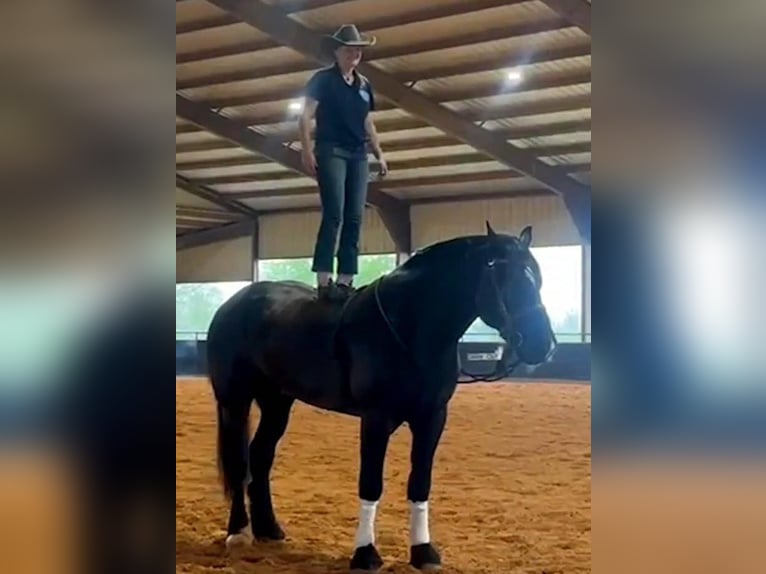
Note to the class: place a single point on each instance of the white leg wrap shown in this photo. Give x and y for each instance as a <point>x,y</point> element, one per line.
<point>365,532</point>
<point>242,538</point>
<point>419,523</point>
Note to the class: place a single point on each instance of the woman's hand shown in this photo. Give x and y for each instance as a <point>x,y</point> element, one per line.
<point>309,161</point>
<point>383,166</point>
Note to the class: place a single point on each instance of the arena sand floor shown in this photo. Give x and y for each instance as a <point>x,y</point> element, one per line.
<point>511,487</point>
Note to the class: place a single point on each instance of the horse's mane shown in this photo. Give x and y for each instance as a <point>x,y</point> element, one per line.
<point>450,250</point>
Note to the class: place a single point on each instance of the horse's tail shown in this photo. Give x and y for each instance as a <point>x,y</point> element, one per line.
<point>233,434</point>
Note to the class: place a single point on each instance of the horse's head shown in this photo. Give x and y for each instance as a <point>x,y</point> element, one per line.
<point>508,298</point>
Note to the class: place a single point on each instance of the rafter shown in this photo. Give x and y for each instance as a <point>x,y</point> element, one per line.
<point>214,197</point>
<point>202,214</point>
<point>391,208</point>
<point>215,234</point>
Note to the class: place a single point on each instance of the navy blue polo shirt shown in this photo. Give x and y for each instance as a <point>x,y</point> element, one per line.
<point>342,109</point>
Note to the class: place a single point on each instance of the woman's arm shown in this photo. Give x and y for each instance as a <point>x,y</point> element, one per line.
<point>372,133</point>
<point>304,128</point>
<point>305,121</point>
<point>369,126</point>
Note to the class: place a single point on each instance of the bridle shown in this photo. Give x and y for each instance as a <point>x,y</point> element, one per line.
<point>508,319</point>
<point>513,338</point>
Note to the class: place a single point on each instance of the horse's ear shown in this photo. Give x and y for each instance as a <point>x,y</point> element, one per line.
<point>525,238</point>
<point>490,231</point>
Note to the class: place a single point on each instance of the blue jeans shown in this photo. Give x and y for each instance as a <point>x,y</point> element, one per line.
<point>343,178</point>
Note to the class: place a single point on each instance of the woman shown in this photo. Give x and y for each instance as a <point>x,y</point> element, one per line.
<point>340,99</point>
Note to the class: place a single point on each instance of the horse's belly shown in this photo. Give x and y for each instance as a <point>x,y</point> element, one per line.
<point>321,383</point>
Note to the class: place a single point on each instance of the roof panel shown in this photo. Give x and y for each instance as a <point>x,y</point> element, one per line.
<point>217,37</point>
<point>516,51</point>
<point>248,169</point>
<point>520,98</point>
<point>190,11</point>
<point>195,137</point>
<point>248,61</point>
<point>468,189</point>
<point>540,119</point>
<point>184,198</point>
<point>362,11</point>
<point>569,159</point>
<point>297,181</point>
<point>216,154</point>
<point>274,203</point>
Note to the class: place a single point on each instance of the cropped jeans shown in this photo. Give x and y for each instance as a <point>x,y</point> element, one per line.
<point>342,178</point>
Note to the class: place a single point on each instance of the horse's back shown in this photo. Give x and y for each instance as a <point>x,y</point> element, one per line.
<point>277,337</point>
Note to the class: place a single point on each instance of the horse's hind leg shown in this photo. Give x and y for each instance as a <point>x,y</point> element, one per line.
<point>232,382</point>
<point>232,446</point>
<point>275,413</point>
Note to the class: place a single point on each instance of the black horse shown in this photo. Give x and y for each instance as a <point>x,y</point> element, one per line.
<point>389,356</point>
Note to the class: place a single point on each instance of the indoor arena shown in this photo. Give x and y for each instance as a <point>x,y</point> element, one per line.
<point>482,121</point>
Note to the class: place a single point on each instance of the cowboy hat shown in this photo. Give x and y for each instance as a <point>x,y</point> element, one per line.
<point>347,35</point>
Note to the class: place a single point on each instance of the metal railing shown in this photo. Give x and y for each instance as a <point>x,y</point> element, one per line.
<point>467,338</point>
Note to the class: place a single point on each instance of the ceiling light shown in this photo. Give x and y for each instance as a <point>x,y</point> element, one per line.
<point>296,105</point>
<point>515,76</point>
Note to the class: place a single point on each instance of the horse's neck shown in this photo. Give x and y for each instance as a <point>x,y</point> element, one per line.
<point>439,304</point>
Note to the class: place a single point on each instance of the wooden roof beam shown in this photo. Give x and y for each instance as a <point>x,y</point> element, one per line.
<point>202,214</point>
<point>392,210</point>
<point>215,234</point>
<point>215,197</point>
<point>575,11</point>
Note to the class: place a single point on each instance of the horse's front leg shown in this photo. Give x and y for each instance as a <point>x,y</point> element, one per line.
<point>375,433</point>
<point>426,433</point>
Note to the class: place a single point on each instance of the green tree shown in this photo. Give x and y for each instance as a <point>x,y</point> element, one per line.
<point>373,266</point>
<point>286,269</point>
<point>196,303</point>
<point>370,268</point>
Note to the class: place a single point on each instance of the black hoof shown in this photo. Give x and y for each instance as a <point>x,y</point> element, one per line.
<point>425,557</point>
<point>366,559</point>
<point>268,532</point>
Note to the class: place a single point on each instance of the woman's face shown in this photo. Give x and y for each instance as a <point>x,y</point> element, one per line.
<point>348,56</point>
